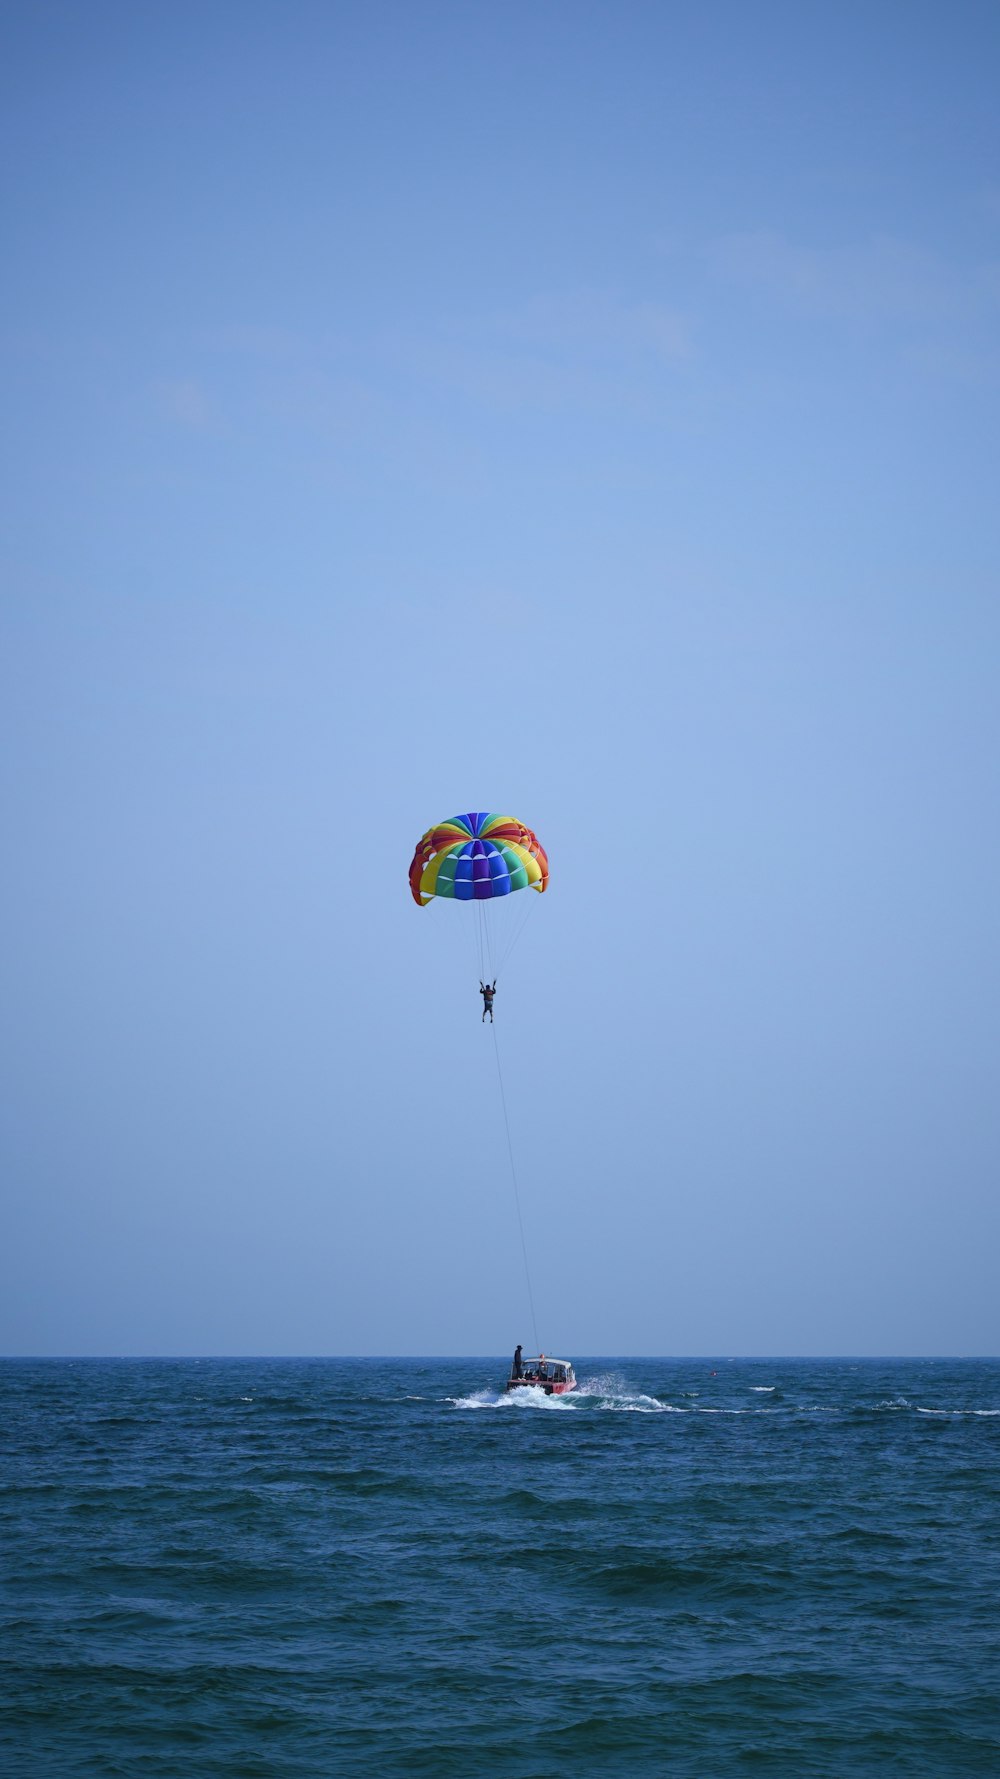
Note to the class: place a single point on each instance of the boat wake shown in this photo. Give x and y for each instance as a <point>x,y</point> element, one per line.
<point>611,1392</point>
<point>608,1391</point>
<point>513,1399</point>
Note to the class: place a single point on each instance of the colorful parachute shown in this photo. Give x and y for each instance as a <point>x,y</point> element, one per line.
<point>476,857</point>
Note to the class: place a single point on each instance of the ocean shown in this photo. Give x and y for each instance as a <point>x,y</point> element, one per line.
<point>322,1569</point>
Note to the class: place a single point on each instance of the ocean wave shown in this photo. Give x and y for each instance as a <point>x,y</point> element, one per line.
<point>699,1410</point>
<point>639,1405</point>
<point>957,1413</point>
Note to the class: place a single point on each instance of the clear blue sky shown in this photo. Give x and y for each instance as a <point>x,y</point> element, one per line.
<point>587,412</point>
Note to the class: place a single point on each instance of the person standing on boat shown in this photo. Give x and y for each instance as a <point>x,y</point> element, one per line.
<point>487,994</point>
<point>518,1368</point>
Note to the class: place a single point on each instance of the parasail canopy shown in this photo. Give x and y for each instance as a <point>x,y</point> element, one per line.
<point>473,858</point>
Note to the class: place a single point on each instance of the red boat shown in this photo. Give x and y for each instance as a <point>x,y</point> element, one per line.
<point>554,1376</point>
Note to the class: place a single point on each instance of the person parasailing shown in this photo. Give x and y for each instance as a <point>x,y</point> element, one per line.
<point>487,994</point>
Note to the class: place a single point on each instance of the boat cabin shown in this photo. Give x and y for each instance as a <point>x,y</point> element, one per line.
<point>554,1376</point>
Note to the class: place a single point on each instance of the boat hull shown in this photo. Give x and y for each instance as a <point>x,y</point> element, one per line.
<point>547,1389</point>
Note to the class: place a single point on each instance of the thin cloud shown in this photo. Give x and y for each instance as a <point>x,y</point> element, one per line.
<point>256,341</point>
<point>185,401</point>
<point>882,279</point>
<point>595,325</point>
<point>663,330</point>
<point>555,353</point>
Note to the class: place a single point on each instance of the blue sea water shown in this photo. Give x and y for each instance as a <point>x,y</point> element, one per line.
<point>297,1569</point>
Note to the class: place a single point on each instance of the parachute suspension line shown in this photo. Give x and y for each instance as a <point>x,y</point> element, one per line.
<point>493,952</point>
<point>477,941</point>
<point>517,1195</point>
<point>518,930</point>
<point>484,944</point>
<point>486,930</point>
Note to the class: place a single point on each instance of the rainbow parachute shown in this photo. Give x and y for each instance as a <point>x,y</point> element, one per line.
<point>473,858</point>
